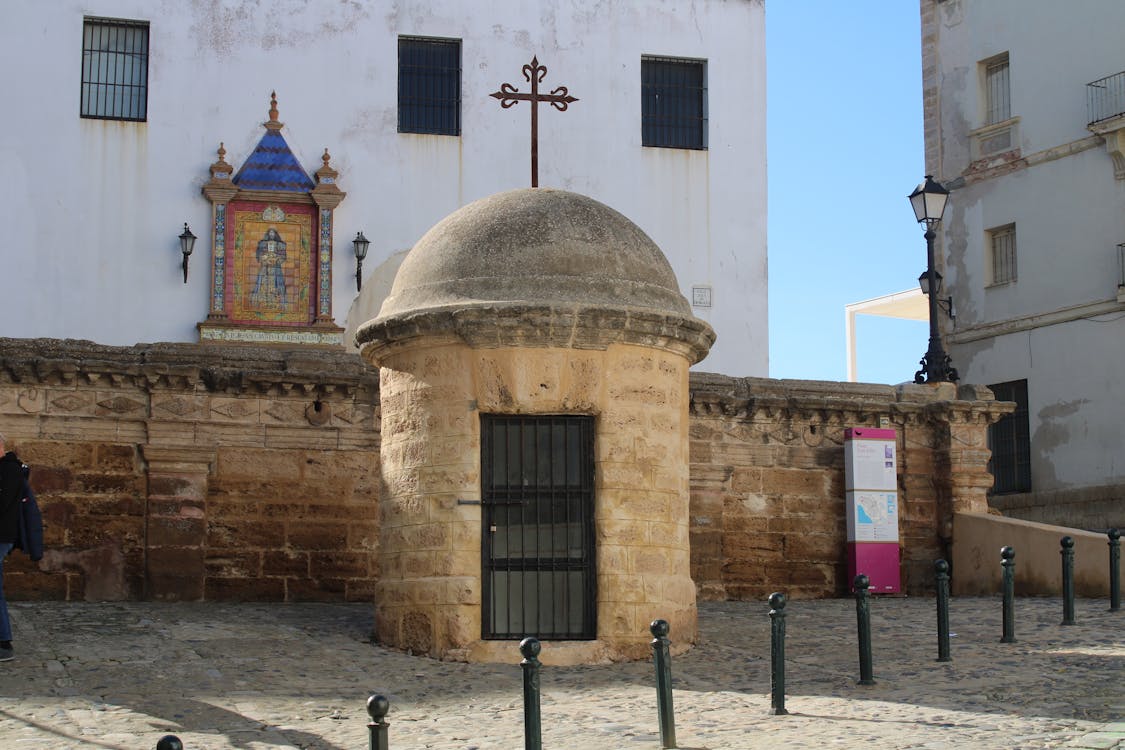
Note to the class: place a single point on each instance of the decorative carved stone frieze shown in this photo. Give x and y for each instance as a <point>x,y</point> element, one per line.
<point>181,368</point>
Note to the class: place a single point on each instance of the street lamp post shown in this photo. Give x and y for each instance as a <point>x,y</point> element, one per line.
<point>929,200</point>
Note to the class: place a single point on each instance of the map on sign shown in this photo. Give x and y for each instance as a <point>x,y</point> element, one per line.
<point>873,517</point>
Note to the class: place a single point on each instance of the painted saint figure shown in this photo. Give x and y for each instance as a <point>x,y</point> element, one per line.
<point>269,288</point>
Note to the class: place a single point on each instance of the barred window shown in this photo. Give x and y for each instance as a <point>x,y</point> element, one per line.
<point>673,102</point>
<point>1010,441</point>
<point>429,86</point>
<point>1002,255</point>
<point>114,69</point>
<point>997,92</point>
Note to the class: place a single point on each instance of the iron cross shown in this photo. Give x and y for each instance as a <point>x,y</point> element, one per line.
<point>559,99</point>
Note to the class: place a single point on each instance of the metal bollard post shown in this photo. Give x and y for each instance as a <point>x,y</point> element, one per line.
<point>377,707</point>
<point>863,620</point>
<point>1114,569</point>
<point>662,658</point>
<point>532,722</point>
<point>777,654</point>
<point>169,742</point>
<point>1008,565</point>
<point>941,568</point>
<point>1067,553</point>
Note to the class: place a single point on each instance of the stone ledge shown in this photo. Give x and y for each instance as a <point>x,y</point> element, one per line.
<point>233,370</point>
<point>714,395</point>
<point>536,326</point>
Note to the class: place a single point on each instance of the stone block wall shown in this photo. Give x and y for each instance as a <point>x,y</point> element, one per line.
<point>185,472</point>
<point>767,478</point>
<point>208,472</point>
<point>430,595</point>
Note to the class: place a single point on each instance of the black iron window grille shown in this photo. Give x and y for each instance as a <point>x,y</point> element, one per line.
<point>429,86</point>
<point>114,69</point>
<point>1010,442</point>
<point>537,492</point>
<point>673,102</point>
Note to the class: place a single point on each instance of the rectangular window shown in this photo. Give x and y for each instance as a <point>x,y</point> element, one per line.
<point>429,86</point>
<point>997,93</point>
<point>1010,442</point>
<point>673,103</point>
<point>1002,255</point>
<point>114,69</point>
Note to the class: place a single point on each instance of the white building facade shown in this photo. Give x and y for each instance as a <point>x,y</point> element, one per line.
<point>102,166</point>
<point>1025,124</point>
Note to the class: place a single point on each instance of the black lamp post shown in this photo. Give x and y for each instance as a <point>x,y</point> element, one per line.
<point>929,200</point>
<point>187,244</point>
<point>360,244</point>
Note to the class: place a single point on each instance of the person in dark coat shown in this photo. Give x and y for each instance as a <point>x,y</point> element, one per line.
<point>12,491</point>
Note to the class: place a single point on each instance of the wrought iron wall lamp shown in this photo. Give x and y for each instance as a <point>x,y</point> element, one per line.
<point>360,243</point>
<point>187,244</point>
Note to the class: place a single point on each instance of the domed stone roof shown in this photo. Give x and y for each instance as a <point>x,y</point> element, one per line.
<point>559,260</point>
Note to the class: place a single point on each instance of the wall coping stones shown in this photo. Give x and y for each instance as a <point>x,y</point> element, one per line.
<point>194,367</point>
<point>713,394</point>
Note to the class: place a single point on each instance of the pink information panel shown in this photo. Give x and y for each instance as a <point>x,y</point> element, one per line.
<point>871,492</point>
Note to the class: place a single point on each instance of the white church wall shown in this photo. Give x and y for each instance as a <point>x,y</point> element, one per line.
<point>97,204</point>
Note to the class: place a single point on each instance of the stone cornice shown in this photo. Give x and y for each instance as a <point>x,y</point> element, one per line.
<point>825,402</point>
<point>535,326</point>
<point>191,367</point>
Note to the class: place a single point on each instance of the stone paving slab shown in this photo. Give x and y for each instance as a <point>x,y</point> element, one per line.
<point>118,676</point>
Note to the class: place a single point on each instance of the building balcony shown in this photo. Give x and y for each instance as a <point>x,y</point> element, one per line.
<point>1105,99</point>
<point>1105,116</point>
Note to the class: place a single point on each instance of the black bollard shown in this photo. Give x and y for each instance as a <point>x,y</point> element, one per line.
<point>941,569</point>
<point>662,658</point>
<point>169,742</point>
<point>377,707</point>
<point>1008,566</point>
<point>777,654</point>
<point>532,722</point>
<point>1114,569</point>
<point>863,620</point>
<point>1067,552</point>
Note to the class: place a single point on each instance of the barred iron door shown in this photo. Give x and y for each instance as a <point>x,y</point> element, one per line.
<point>537,491</point>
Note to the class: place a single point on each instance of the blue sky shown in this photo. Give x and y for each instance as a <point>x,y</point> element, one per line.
<point>845,148</point>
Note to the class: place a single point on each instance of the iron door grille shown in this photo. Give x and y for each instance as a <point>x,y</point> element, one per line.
<point>537,491</point>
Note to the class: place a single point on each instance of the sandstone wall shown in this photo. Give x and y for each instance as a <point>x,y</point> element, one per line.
<point>188,472</point>
<point>430,596</point>
<point>195,472</point>
<point>767,478</point>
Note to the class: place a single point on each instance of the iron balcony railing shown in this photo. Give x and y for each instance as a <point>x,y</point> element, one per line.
<point>1105,98</point>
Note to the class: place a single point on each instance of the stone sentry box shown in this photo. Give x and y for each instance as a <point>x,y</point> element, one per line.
<point>534,356</point>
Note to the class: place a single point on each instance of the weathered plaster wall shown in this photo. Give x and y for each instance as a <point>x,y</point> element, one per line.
<point>1060,325</point>
<point>126,189</point>
<point>1038,564</point>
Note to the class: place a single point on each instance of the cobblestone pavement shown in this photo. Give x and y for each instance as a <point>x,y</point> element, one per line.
<point>250,676</point>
